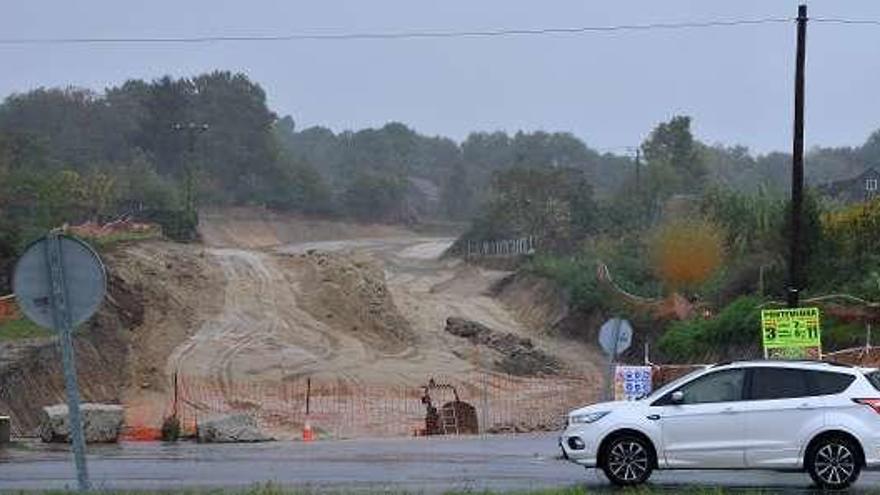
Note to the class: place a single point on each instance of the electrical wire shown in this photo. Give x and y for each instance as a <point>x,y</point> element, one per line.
<point>402,35</point>
<point>832,20</point>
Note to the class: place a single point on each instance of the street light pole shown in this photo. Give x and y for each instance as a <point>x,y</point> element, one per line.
<point>797,164</point>
<point>192,130</point>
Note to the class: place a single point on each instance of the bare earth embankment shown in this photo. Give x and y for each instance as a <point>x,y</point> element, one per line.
<point>360,311</point>
<point>271,302</point>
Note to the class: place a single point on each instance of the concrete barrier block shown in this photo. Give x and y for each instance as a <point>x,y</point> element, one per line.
<point>231,428</point>
<point>102,423</point>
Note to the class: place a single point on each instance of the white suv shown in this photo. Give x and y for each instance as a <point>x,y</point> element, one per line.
<point>780,415</point>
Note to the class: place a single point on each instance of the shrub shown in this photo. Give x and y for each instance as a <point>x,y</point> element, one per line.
<point>841,335</point>
<point>177,225</point>
<point>171,429</point>
<point>576,275</point>
<point>686,253</point>
<point>737,326</point>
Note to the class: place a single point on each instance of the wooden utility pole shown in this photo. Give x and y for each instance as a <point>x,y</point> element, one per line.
<point>795,269</point>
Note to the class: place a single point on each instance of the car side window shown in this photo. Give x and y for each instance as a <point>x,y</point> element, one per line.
<point>778,383</point>
<point>721,386</point>
<point>874,378</point>
<point>829,383</point>
<point>792,383</point>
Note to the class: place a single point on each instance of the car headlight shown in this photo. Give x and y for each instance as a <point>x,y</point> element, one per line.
<point>587,417</point>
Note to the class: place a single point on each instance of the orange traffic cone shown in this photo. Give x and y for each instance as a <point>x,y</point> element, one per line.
<point>308,434</point>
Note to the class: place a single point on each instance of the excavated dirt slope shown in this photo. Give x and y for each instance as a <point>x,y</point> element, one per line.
<point>269,303</point>
<point>156,293</point>
<point>363,309</point>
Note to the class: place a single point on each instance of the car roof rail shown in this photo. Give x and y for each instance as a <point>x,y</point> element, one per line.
<point>823,361</point>
<point>838,363</point>
<point>805,361</point>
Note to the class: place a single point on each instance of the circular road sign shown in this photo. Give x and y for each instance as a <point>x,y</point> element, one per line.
<point>83,274</point>
<point>615,336</point>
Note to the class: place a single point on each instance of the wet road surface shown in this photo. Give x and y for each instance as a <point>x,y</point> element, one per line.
<point>432,465</point>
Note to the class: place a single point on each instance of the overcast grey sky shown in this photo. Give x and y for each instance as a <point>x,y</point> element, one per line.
<point>609,89</point>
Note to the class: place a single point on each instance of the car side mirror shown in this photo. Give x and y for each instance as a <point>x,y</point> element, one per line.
<point>677,397</point>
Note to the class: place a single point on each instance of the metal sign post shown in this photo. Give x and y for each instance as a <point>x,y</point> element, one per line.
<point>62,320</point>
<point>612,359</point>
<point>615,337</point>
<point>43,277</point>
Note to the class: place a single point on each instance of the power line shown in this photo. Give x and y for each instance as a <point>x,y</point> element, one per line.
<point>402,35</point>
<point>832,20</point>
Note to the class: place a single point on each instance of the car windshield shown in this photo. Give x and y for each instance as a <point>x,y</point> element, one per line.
<point>673,384</point>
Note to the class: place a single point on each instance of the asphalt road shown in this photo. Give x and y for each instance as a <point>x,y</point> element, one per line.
<point>431,465</point>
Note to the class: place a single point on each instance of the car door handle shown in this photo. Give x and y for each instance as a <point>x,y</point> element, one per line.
<point>653,417</point>
<point>806,406</point>
<point>728,410</point>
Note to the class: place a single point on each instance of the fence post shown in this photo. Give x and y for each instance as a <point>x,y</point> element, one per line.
<point>484,399</point>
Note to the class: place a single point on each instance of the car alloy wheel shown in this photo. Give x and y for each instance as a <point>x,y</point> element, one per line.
<point>834,464</point>
<point>627,462</point>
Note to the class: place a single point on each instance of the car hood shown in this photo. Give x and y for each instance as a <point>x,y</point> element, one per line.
<point>609,406</point>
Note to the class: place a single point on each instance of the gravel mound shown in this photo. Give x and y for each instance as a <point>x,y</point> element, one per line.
<point>519,356</point>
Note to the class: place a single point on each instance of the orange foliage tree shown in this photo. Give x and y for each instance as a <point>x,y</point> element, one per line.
<point>685,253</point>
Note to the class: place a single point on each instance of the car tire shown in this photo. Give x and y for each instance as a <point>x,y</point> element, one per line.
<point>833,463</point>
<point>627,460</point>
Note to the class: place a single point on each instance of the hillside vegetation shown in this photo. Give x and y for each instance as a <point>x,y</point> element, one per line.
<point>161,150</point>
<point>691,259</point>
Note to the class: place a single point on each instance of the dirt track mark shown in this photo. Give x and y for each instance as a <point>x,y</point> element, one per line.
<point>286,316</point>
<point>263,334</point>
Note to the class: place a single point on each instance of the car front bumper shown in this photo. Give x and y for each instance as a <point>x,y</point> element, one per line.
<point>586,456</point>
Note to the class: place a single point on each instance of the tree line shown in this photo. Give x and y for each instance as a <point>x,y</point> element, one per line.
<point>709,225</point>
<point>71,154</point>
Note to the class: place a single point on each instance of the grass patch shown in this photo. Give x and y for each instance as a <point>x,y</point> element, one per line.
<point>22,329</point>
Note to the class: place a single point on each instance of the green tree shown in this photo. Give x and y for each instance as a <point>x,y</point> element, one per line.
<point>141,187</point>
<point>99,194</point>
<point>753,223</point>
<point>554,204</point>
<point>375,197</point>
<point>238,150</point>
<point>674,163</point>
<point>458,195</point>
<point>297,186</point>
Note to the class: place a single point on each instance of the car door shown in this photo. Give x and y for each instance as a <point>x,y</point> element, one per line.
<point>784,408</point>
<point>704,430</point>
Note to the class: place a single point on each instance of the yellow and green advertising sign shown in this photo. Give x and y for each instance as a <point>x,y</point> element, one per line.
<point>791,333</point>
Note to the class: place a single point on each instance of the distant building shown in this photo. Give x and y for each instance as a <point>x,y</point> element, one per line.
<point>863,187</point>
